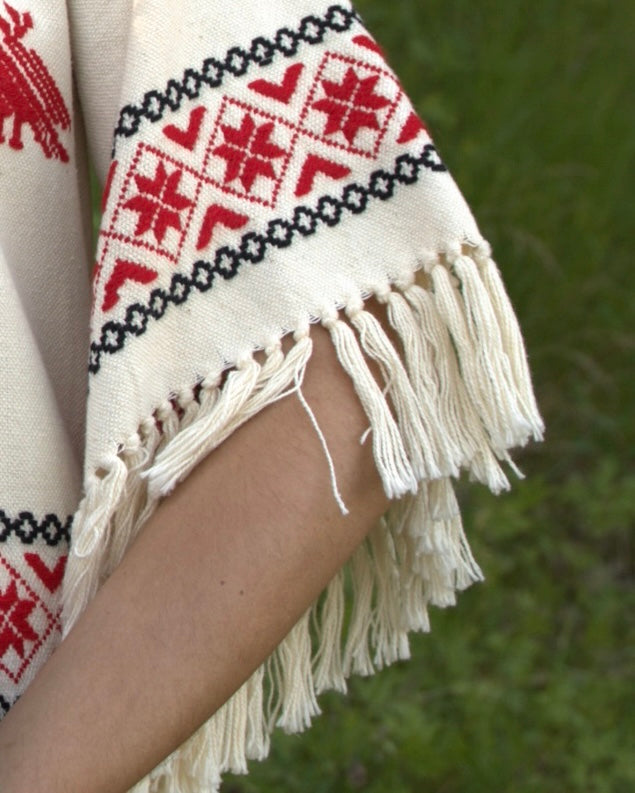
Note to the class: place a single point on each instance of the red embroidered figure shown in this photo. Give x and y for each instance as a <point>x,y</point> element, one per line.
<point>248,152</point>
<point>351,105</point>
<point>158,203</point>
<point>28,92</point>
<point>15,628</point>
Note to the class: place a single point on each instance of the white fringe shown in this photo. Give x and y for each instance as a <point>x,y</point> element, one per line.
<point>457,396</point>
<point>328,664</point>
<point>389,450</point>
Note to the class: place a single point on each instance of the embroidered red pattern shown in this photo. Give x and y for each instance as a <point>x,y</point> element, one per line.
<point>314,165</point>
<point>125,271</point>
<point>413,126</point>
<point>26,620</point>
<point>15,629</point>
<point>217,215</point>
<point>51,578</point>
<point>249,152</point>
<point>304,132</point>
<point>158,203</point>
<point>188,137</point>
<point>351,105</point>
<point>281,92</point>
<point>28,93</point>
<point>369,44</point>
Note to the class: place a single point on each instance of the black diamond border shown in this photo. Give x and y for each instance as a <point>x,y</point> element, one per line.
<point>236,62</point>
<point>28,529</point>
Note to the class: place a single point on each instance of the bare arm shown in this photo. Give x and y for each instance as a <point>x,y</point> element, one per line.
<point>217,578</point>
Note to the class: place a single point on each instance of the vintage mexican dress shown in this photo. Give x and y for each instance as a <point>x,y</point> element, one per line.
<point>262,171</point>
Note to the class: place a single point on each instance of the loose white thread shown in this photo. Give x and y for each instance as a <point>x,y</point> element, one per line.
<point>299,377</point>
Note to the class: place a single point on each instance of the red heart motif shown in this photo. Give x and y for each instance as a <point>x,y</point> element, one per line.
<point>218,215</point>
<point>189,136</point>
<point>413,126</point>
<point>50,578</point>
<point>314,165</point>
<point>125,271</point>
<point>369,44</point>
<point>281,92</point>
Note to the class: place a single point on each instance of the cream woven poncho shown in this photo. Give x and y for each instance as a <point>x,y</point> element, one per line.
<point>266,172</point>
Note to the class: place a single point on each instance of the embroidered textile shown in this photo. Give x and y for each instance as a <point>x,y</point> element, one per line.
<point>261,175</point>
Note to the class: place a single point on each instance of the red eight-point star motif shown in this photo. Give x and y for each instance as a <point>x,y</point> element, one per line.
<point>248,152</point>
<point>351,105</point>
<point>14,626</point>
<point>158,202</point>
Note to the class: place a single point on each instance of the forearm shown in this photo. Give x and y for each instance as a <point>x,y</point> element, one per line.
<point>216,579</point>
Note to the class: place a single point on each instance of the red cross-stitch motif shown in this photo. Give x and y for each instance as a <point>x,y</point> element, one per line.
<point>351,105</point>
<point>411,129</point>
<point>249,151</point>
<point>369,44</point>
<point>50,577</point>
<point>125,271</point>
<point>281,92</point>
<point>28,92</point>
<point>315,165</point>
<point>195,188</point>
<point>14,625</point>
<point>218,215</point>
<point>188,137</point>
<point>29,620</point>
<point>158,203</point>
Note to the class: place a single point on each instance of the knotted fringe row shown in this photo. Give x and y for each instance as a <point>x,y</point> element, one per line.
<point>456,396</point>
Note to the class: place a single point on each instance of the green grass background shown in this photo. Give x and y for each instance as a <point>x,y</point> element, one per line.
<point>527,686</point>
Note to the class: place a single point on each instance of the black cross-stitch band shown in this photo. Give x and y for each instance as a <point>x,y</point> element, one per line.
<point>253,247</point>
<point>5,706</point>
<point>236,62</point>
<point>28,529</point>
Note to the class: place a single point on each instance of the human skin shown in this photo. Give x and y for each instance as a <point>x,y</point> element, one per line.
<point>217,577</point>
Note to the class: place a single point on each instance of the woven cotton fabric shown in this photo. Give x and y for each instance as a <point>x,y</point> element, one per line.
<point>263,171</point>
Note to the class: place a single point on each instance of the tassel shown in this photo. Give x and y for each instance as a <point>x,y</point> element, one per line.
<point>460,414</point>
<point>188,406</point>
<point>297,692</point>
<point>440,500</point>
<point>484,394</point>
<point>420,365</point>
<point>356,652</point>
<point>257,740</point>
<point>91,526</point>
<point>418,434</point>
<point>189,447</point>
<point>511,337</point>
<point>279,373</point>
<point>234,736</point>
<point>447,302</point>
<point>508,426</point>
<point>390,456</point>
<point>388,636</point>
<point>328,665</point>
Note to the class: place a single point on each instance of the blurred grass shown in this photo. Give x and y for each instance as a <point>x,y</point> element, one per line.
<point>527,686</point>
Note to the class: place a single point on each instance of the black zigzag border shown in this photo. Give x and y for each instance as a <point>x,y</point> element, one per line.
<point>236,62</point>
<point>253,248</point>
<point>28,529</point>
